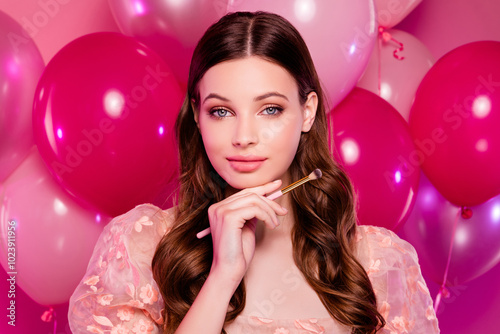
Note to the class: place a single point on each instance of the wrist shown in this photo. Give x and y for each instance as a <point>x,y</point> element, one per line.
<point>223,281</point>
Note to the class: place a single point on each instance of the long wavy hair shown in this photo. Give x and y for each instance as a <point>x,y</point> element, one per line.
<point>324,210</point>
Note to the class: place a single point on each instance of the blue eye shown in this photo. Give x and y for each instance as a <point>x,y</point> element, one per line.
<point>219,113</point>
<point>272,110</point>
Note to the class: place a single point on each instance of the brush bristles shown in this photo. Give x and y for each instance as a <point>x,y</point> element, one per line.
<point>315,174</point>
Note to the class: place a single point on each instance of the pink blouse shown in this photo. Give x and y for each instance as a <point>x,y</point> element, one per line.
<point>118,294</point>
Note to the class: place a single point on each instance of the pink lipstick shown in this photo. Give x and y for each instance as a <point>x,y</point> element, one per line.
<point>245,164</point>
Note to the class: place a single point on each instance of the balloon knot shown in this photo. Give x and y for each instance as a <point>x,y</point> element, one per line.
<point>48,315</point>
<point>466,213</point>
<point>386,37</point>
<point>444,292</point>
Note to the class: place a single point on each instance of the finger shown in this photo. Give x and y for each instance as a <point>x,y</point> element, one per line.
<point>270,187</point>
<point>252,224</point>
<point>242,216</point>
<point>252,199</point>
<point>242,210</point>
<point>267,217</point>
<point>264,189</point>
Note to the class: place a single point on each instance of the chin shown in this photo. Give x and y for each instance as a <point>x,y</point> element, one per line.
<point>242,181</point>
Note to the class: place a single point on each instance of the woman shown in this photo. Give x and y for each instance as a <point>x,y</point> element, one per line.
<point>252,121</point>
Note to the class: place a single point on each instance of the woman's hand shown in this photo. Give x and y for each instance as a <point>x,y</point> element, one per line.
<point>232,224</point>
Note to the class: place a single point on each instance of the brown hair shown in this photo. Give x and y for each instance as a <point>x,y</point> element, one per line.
<point>324,232</point>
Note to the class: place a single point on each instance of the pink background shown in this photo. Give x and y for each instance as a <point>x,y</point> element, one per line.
<point>441,25</point>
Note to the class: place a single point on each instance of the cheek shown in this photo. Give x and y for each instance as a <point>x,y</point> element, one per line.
<point>210,135</point>
<point>286,139</point>
<point>282,129</point>
<point>214,141</point>
<point>211,145</point>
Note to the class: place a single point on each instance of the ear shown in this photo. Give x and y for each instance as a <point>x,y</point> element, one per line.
<point>195,112</point>
<point>310,108</point>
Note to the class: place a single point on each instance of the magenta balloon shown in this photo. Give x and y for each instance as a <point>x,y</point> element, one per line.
<point>104,114</point>
<point>472,307</point>
<point>391,12</point>
<point>454,121</point>
<point>171,28</point>
<point>340,35</point>
<point>20,68</point>
<point>399,78</point>
<point>53,237</point>
<point>373,143</point>
<point>476,246</point>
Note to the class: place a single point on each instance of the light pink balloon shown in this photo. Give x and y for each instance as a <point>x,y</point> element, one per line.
<point>54,23</point>
<point>476,246</point>
<point>171,28</point>
<point>398,78</point>
<point>53,237</point>
<point>20,68</point>
<point>391,12</point>
<point>373,143</point>
<point>340,35</point>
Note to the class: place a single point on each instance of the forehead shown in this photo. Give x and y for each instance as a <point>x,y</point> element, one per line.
<point>250,76</point>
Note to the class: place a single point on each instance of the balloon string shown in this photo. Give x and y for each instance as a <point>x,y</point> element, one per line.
<point>386,37</point>
<point>442,289</point>
<point>379,66</point>
<point>55,323</point>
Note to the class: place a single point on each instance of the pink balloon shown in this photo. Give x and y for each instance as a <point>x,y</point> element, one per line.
<point>51,237</point>
<point>20,68</point>
<point>476,246</point>
<point>391,12</point>
<point>454,121</point>
<point>398,78</point>
<point>445,25</point>
<point>28,313</point>
<point>373,143</point>
<point>104,113</point>
<point>54,23</point>
<point>171,28</point>
<point>340,35</point>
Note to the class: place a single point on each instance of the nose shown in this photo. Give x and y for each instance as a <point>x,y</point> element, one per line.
<point>245,133</point>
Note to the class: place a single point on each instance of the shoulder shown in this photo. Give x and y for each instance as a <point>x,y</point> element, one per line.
<point>139,229</point>
<point>376,243</point>
<point>140,217</point>
<point>393,269</point>
<point>118,288</point>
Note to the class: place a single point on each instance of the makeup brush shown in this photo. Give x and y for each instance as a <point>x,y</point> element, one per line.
<point>315,174</point>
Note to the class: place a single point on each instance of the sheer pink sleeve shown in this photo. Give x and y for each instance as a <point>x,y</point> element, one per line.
<point>118,293</point>
<point>402,294</point>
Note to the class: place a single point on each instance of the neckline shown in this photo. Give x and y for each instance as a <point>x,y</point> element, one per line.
<point>269,320</point>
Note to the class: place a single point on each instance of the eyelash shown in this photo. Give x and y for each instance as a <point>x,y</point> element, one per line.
<point>278,112</point>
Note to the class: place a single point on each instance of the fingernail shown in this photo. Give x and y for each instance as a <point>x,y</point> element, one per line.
<point>276,181</point>
<point>284,209</point>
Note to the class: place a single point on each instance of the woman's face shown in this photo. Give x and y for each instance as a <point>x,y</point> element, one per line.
<point>250,118</point>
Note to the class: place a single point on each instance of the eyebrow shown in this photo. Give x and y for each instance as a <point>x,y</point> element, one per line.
<point>257,98</point>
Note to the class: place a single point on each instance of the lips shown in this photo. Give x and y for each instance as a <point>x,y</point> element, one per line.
<point>246,164</point>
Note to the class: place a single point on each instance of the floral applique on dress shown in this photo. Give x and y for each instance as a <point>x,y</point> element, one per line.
<point>118,294</point>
